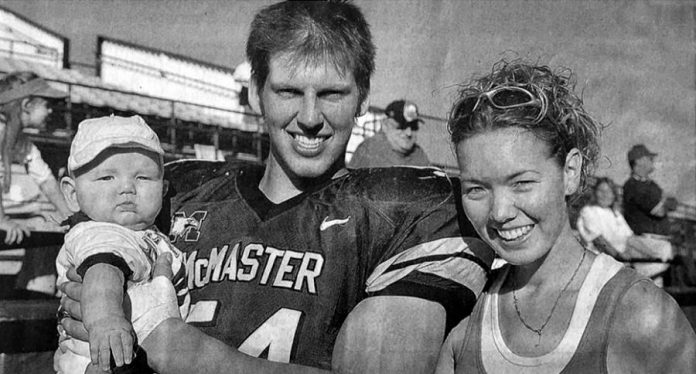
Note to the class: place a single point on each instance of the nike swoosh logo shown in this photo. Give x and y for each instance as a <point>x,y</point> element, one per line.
<point>326,223</point>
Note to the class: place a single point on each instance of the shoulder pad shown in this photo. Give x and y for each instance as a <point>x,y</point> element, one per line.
<point>400,183</point>
<point>187,175</point>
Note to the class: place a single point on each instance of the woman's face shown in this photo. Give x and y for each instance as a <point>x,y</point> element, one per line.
<point>605,195</point>
<point>35,113</point>
<point>513,191</point>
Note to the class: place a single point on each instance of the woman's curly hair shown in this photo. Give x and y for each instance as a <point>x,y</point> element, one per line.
<point>564,125</point>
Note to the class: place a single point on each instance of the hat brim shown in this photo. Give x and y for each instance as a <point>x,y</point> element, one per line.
<point>35,87</point>
<point>51,93</point>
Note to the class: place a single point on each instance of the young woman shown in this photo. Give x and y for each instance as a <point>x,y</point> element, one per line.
<point>27,181</point>
<point>524,146</point>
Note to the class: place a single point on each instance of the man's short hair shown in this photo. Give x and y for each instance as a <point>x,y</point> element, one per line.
<point>313,32</point>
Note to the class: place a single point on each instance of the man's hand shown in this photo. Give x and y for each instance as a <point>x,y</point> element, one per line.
<point>111,335</point>
<point>15,232</point>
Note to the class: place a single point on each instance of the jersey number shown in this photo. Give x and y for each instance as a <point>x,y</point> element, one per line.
<point>276,335</point>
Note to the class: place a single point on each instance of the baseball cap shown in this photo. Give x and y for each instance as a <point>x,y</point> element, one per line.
<point>97,134</point>
<point>638,151</point>
<point>405,113</point>
<point>35,87</point>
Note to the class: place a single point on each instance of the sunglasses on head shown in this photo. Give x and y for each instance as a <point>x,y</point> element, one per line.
<point>507,97</point>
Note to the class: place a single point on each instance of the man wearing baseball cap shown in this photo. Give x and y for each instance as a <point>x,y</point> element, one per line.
<point>115,187</point>
<point>396,144</point>
<point>645,206</point>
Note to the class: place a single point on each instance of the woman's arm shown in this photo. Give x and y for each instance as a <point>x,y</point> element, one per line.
<point>603,245</point>
<point>14,231</point>
<point>454,343</point>
<point>50,188</point>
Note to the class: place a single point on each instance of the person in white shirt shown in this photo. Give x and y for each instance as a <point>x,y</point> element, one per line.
<point>602,226</point>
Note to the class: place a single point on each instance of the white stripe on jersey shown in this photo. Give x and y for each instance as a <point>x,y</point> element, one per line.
<point>202,311</point>
<point>448,264</point>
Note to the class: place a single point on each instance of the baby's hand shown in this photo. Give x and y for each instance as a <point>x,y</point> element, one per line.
<point>111,335</point>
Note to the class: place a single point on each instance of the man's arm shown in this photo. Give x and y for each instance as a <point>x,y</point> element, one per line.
<point>384,334</point>
<point>390,334</point>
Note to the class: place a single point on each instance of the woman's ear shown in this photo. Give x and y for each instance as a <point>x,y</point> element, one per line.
<point>67,187</point>
<point>572,171</point>
<point>165,187</point>
<point>25,104</point>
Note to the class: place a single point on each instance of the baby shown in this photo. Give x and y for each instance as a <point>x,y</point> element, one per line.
<point>115,187</point>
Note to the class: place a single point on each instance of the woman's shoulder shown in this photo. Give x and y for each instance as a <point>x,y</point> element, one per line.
<point>649,323</point>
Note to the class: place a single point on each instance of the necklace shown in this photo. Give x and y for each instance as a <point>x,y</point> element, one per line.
<point>555,303</point>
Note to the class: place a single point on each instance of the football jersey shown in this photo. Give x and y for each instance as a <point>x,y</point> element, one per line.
<point>278,281</point>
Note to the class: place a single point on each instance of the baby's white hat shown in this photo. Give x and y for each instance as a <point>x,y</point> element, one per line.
<point>94,135</point>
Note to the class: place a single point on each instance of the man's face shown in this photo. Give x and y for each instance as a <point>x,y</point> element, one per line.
<point>402,138</point>
<point>646,165</point>
<point>309,111</point>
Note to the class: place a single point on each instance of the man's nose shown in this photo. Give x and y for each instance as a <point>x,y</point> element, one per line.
<point>310,117</point>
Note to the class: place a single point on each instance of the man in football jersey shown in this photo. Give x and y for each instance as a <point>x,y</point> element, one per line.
<point>301,265</point>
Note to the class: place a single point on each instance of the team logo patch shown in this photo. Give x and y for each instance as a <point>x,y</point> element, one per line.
<point>186,227</point>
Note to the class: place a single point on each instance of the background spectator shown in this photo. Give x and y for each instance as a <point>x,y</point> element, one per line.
<point>603,227</point>
<point>30,190</point>
<point>396,144</point>
<point>645,206</point>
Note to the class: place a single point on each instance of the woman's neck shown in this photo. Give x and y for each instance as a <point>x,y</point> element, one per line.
<point>562,258</point>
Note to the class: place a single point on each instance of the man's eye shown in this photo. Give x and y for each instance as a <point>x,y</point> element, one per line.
<point>332,95</point>
<point>105,178</point>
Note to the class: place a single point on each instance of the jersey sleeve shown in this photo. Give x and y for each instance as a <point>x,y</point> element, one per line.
<point>433,251</point>
<point>90,240</point>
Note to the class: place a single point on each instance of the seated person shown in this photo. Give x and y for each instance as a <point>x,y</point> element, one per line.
<point>603,227</point>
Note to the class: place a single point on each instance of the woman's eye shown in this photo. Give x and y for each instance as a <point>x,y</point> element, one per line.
<point>287,93</point>
<point>474,192</point>
<point>105,178</point>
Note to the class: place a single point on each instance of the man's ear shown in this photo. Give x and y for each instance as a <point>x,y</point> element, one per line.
<point>255,95</point>
<point>572,171</point>
<point>67,187</point>
<point>364,106</point>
